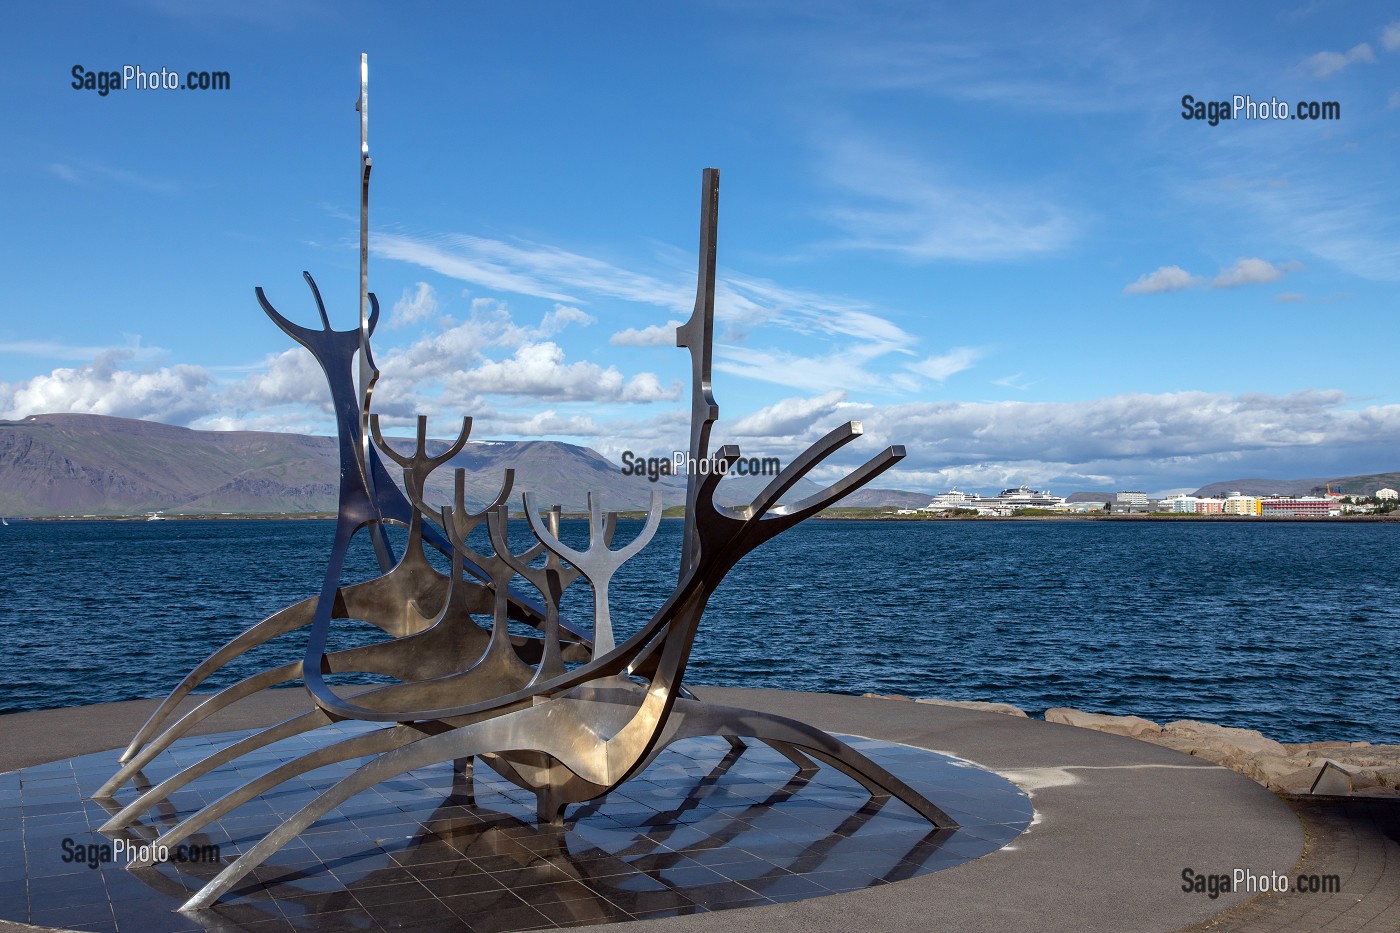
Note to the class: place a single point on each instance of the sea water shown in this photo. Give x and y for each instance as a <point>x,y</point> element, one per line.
<point>1291,628</point>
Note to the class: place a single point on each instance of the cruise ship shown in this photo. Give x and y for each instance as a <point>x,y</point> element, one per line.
<point>952,499</point>
<point>1023,497</point>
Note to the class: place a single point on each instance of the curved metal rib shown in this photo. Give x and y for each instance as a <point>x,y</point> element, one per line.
<point>369,743</point>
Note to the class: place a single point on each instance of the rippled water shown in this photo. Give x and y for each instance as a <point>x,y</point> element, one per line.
<point>1290,628</point>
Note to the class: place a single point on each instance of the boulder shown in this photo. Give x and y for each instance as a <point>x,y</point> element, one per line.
<point>1296,747</point>
<point>1293,782</point>
<point>1133,726</point>
<point>1006,709</point>
<point>1226,740</point>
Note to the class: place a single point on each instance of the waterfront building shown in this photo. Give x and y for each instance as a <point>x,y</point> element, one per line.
<point>1180,503</point>
<point>1133,499</point>
<point>1387,493</point>
<point>1299,507</point>
<point>1240,504</point>
<point>1209,506</point>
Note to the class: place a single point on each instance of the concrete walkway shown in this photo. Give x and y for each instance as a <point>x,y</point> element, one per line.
<point>1118,821</point>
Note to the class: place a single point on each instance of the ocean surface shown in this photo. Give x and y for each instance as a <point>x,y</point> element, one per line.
<point>1289,628</point>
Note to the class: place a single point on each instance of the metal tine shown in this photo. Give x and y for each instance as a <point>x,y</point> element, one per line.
<point>419,465</point>
<point>301,333</point>
<point>800,467</point>
<point>459,524</point>
<point>792,514</point>
<point>551,580</point>
<point>599,562</point>
<point>467,522</point>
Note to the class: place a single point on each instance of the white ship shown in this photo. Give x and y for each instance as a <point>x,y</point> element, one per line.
<point>952,499</point>
<point>1023,497</point>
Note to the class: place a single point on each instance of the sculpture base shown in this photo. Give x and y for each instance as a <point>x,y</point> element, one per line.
<point>704,828</point>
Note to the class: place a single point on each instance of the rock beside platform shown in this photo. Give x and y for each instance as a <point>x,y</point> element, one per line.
<point>1006,709</point>
<point>1131,726</point>
<point>1363,769</point>
<point>1357,768</point>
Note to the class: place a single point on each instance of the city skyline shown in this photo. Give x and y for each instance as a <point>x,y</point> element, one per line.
<point>992,236</point>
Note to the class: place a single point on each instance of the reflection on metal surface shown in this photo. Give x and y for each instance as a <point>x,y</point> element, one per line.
<point>466,690</point>
<point>703,828</point>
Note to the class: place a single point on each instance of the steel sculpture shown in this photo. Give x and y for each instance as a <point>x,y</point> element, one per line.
<point>569,715</point>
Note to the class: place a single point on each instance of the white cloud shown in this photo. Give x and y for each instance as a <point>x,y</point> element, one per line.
<point>1252,272</point>
<point>657,335</point>
<point>1394,100</point>
<point>1013,381</point>
<point>538,370</point>
<point>92,173</point>
<point>848,367</point>
<point>1163,279</point>
<point>561,317</point>
<point>172,393</point>
<point>547,423</point>
<point>526,268</point>
<point>416,305</point>
<point>1390,37</point>
<point>905,207</point>
<point>1345,221</point>
<point>1326,63</point>
<point>292,377</point>
<point>57,350</point>
<point>1287,297</point>
<point>789,417</point>
<point>1131,426</point>
<point>939,368</point>
<point>857,333</point>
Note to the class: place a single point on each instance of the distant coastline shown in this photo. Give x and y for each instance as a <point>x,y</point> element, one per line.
<point>837,514</point>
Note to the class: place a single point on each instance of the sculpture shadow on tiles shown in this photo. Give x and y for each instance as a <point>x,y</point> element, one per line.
<point>565,712</point>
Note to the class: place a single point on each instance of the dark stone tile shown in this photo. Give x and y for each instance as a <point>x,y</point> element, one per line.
<point>647,901</point>
<point>14,901</point>
<point>141,918</point>
<point>473,883</point>
<point>416,913</point>
<point>343,921</point>
<point>721,894</point>
<point>392,894</point>
<point>85,917</point>
<point>680,910</point>
<point>357,874</point>
<point>307,904</point>
<point>538,894</point>
<point>494,914</point>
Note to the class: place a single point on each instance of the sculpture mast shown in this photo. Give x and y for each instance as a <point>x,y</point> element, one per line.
<point>368,373</point>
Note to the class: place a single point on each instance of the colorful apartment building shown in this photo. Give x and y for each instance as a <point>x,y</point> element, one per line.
<point>1299,507</point>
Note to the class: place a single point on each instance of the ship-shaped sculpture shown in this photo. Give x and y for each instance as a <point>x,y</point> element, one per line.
<point>568,713</point>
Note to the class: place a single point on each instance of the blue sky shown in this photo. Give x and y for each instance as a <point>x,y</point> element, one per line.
<point>988,234</point>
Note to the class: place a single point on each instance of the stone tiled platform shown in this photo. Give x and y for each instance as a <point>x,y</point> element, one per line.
<point>1116,821</point>
<point>705,828</point>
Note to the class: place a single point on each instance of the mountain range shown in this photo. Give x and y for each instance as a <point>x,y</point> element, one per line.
<point>1364,484</point>
<point>79,464</point>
